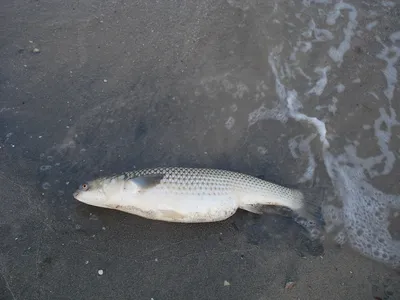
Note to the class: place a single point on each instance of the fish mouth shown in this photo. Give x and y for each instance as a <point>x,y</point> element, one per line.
<point>76,194</point>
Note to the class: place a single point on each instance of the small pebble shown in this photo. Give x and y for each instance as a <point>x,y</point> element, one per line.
<point>45,168</point>
<point>36,50</point>
<point>289,285</point>
<point>101,272</point>
<point>46,185</point>
<point>226,283</point>
<point>105,80</point>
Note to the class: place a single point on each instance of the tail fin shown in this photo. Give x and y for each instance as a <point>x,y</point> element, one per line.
<point>304,210</point>
<point>309,216</point>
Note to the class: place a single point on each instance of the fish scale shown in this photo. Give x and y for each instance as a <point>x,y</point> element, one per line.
<point>202,179</point>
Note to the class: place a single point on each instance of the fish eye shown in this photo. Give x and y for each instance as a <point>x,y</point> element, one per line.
<point>84,187</point>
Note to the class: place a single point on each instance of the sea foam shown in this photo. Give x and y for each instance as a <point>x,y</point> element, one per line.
<point>362,219</point>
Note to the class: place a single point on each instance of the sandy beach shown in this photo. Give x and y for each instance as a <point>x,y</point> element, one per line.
<point>303,93</point>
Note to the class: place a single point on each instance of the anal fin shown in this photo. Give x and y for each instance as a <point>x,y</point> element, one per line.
<point>263,209</point>
<point>254,208</point>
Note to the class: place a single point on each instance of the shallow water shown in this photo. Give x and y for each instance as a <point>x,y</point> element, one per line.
<point>303,92</point>
<point>363,219</point>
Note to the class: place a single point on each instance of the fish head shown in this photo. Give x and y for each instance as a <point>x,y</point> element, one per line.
<point>95,192</point>
<point>108,192</point>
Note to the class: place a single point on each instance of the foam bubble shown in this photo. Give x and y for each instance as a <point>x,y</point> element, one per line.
<point>340,88</point>
<point>46,185</point>
<point>383,134</point>
<point>388,3</point>
<point>332,107</point>
<point>303,146</point>
<point>333,217</point>
<point>264,113</point>
<point>365,213</point>
<point>293,105</point>
<point>340,238</point>
<point>230,123</point>
<point>309,2</point>
<point>361,215</point>
<point>363,220</point>
<point>45,168</point>
<point>302,46</point>
<point>311,227</point>
<point>320,35</point>
<point>319,87</point>
<point>338,53</point>
<point>371,25</point>
<point>366,127</point>
<point>374,95</point>
<point>238,4</point>
<point>262,150</point>
<point>391,56</point>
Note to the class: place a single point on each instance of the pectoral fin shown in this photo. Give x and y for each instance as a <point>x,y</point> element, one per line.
<point>145,182</point>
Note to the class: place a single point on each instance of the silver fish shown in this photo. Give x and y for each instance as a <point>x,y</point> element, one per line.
<point>187,195</point>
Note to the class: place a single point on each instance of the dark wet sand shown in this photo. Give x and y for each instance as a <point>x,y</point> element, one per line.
<point>95,87</point>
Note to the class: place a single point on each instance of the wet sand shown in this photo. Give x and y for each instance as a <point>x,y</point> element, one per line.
<point>91,88</point>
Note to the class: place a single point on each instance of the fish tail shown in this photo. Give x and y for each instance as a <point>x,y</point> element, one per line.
<point>302,209</point>
<point>309,216</point>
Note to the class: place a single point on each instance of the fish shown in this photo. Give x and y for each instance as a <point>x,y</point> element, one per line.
<point>187,195</point>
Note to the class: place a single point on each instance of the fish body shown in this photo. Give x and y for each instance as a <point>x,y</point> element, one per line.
<point>186,195</point>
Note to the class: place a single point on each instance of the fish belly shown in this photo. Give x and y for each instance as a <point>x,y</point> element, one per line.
<point>182,208</point>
